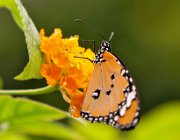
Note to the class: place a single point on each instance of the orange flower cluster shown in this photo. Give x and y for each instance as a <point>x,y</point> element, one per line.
<point>62,68</point>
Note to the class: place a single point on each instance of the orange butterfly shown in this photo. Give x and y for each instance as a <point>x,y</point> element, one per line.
<point>111,96</point>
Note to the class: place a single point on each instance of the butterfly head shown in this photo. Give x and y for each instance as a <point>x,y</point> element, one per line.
<point>105,46</point>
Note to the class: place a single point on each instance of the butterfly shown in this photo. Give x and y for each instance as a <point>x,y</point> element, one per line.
<point>111,96</point>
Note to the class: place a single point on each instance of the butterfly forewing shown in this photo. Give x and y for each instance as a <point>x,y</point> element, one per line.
<point>111,95</point>
<point>94,85</point>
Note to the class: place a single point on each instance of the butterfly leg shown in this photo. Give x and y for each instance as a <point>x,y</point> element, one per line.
<point>84,58</point>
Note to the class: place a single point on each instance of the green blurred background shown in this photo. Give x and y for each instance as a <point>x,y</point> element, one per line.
<point>147,39</point>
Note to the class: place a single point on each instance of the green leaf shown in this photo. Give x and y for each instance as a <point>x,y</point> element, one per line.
<point>46,129</point>
<point>162,122</point>
<point>32,69</point>
<point>19,109</point>
<point>12,6</point>
<point>23,117</point>
<point>12,136</point>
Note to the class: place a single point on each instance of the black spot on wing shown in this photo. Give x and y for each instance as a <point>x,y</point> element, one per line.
<point>112,77</point>
<point>108,92</point>
<point>96,93</point>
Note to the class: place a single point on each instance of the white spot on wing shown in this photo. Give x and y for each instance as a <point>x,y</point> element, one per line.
<point>130,97</point>
<point>130,79</point>
<point>94,94</point>
<point>111,120</point>
<point>137,113</point>
<point>101,118</point>
<point>133,94</point>
<point>135,121</point>
<point>128,89</point>
<point>118,62</point>
<point>116,118</point>
<point>96,119</point>
<point>90,119</point>
<point>110,115</point>
<point>122,111</point>
<point>133,87</point>
<point>129,100</point>
<point>122,72</point>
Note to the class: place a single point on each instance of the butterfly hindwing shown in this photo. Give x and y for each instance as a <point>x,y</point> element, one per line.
<point>111,95</point>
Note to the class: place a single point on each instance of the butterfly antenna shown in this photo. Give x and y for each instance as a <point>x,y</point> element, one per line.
<point>87,25</point>
<point>111,36</point>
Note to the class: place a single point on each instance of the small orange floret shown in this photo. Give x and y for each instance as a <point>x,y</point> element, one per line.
<point>60,59</point>
<point>52,73</point>
<point>69,84</point>
<point>61,67</point>
<point>76,104</point>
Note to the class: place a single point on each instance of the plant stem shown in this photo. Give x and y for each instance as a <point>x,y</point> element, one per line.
<point>37,91</point>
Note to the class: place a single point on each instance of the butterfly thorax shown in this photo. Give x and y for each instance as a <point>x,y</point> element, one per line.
<point>105,46</point>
